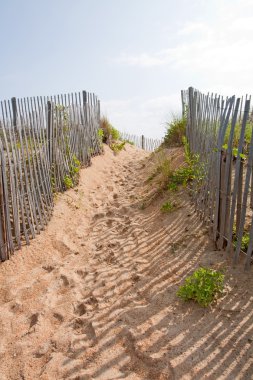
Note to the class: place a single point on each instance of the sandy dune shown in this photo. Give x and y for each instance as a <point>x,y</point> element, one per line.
<point>94,296</point>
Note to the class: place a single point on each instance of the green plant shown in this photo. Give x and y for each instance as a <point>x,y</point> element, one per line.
<point>109,132</point>
<point>68,182</point>
<point>237,132</point>
<point>176,129</point>
<point>172,186</point>
<point>192,170</point>
<point>162,168</point>
<point>182,176</point>
<point>168,206</point>
<point>129,142</point>
<point>202,286</point>
<point>234,151</point>
<point>115,133</point>
<point>75,169</point>
<point>245,239</point>
<point>117,147</point>
<point>100,135</point>
<point>76,161</point>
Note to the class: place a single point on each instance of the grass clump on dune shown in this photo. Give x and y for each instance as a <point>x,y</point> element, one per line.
<point>110,135</point>
<point>175,133</point>
<point>109,132</point>
<point>203,286</point>
<point>168,207</point>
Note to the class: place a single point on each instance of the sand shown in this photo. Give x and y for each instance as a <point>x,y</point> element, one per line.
<point>94,295</point>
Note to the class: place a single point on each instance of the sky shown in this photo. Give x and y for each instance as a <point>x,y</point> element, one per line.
<point>135,55</point>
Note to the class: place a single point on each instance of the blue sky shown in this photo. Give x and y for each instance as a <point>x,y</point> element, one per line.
<point>136,55</point>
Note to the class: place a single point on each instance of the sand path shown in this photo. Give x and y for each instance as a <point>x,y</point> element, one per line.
<point>94,296</point>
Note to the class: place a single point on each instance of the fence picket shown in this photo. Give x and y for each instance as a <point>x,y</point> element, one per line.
<point>225,191</point>
<point>42,141</point>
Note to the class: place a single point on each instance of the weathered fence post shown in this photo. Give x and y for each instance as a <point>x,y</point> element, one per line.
<point>222,200</point>
<point>142,141</point>
<point>49,130</point>
<point>14,112</point>
<point>3,254</point>
<point>239,197</point>
<point>88,127</point>
<point>251,192</point>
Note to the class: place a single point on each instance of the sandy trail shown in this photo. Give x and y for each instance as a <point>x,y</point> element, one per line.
<point>94,296</point>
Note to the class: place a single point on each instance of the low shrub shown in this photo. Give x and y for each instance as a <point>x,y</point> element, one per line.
<point>168,207</point>
<point>176,130</point>
<point>109,132</point>
<point>100,136</point>
<point>192,170</point>
<point>68,182</point>
<point>203,286</point>
<point>117,147</point>
<point>245,239</point>
<point>162,168</point>
<point>129,142</point>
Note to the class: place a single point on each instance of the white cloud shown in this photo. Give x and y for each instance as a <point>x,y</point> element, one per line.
<point>222,46</point>
<point>142,60</point>
<point>213,53</point>
<point>192,27</point>
<point>142,116</point>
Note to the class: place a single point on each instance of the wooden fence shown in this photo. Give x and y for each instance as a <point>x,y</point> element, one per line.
<point>219,132</point>
<point>142,142</point>
<point>43,143</point>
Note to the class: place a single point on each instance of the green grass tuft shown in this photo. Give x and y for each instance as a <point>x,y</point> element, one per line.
<point>168,207</point>
<point>202,286</point>
<point>176,130</point>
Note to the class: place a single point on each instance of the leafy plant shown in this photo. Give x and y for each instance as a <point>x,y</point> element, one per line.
<point>234,151</point>
<point>68,182</point>
<point>129,142</point>
<point>245,239</point>
<point>237,132</point>
<point>202,286</point>
<point>115,133</point>
<point>109,132</point>
<point>100,135</point>
<point>75,169</point>
<point>162,168</point>
<point>77,163</point>
<point>172,186</point>
<point>182,176</point>
<point>117,147</point>
<point>175,131</point>
<point>192,170</point>
<point>168,207</point>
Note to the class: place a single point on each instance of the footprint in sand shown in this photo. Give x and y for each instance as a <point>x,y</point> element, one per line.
<point>66,281</point>
<point>62,247</point>
<point>98,215</point>
<point>109,222</point>
<point>83,326</point>
<point>16,307</point>
<point>80,309</point>
<point>48,268</point>
<point>34,319</point>
<point>92,302</point>
<point>81,273</point>
<point>6,294</point>
<point>59,317</point>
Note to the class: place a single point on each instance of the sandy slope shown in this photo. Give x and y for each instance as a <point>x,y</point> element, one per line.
<point>93,297</point>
